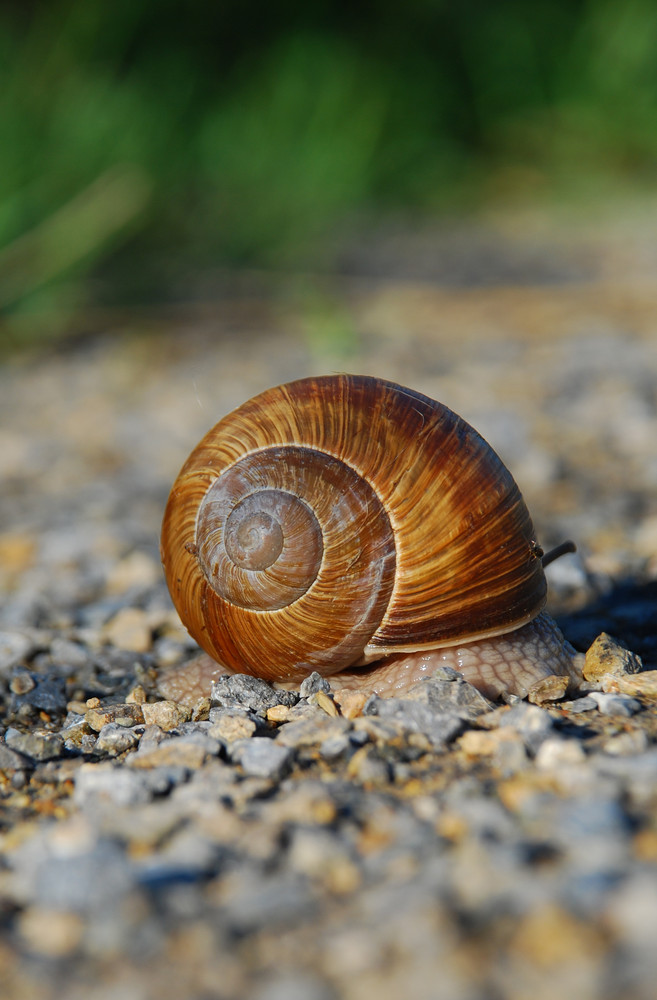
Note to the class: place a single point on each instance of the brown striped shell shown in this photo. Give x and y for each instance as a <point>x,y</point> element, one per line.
<point>334,520</point>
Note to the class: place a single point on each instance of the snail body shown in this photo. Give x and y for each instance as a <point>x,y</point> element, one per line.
<point>339,521</point>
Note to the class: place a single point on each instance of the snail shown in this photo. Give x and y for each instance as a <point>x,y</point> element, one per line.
<point>347,525</point>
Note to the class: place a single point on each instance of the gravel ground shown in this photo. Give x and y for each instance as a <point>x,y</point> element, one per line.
<point>275,845</point>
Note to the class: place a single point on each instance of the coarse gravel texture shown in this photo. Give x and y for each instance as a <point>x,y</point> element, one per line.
<point>288,845</point>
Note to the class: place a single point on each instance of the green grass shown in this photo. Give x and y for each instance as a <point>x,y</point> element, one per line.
<point>144,132</point>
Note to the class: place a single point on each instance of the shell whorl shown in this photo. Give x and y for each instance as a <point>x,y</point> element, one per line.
<point>344,517</point>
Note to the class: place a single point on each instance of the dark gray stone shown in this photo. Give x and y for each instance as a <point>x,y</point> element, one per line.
<point>416,717</point>
<point>39,744</point>
<point>312,684</point>
<point>251,693</point>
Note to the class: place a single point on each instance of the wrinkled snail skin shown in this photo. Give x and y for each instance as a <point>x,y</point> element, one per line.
<point>351,526</point>
<point>504,664</point>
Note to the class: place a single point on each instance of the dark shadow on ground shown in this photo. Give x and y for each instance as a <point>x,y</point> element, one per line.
<point>628,611</point>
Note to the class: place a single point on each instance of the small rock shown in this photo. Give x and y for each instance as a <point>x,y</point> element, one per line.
<point>167,715</point>
<point>135,571</point>
<point>180,751</point>
<point>294,986</point>
<point>446,692</point>
<point>114,739</point>
<point>505,745</point>
<point>14,648</point>
<point>262,757</point>
<point>552,688</point>
<point>119,785</point>
<point>77,735</point>
<point>585,704</point>
<point>137,696</point>
<point>321,856</point>
<point>311,732</point>
<point>606,655</point>
<point>51,933</point>
<point>39,744</point>
<point>12,760</point>
<point>233,727</point>
<point>555,753</point>
<point>278,713</point>
<point>369,767</point>
<point>335,746</point>
<point>252,693</point>
<point>626,744</point>
<point>21,682</point>
<point>325,702</point>
<point>48,694</point>
<point>533,723</point>
<point>312,684</point>
<point>351,702</point>
<point>70,656</point>
<point>613,704</point>
<point>307,804</point>
<point>416,717</point>
<point>201,710</point>
<point>121,714</point>
<point>644,683</point>
<point>549,937</point>
<point>129,629</point>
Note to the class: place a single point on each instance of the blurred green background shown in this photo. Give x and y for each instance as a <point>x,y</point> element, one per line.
<point>144,138</point>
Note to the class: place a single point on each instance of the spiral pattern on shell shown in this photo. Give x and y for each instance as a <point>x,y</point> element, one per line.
<point>340,518</point>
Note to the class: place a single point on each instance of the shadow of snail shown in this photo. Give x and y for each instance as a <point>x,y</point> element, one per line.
<point>347,525</point>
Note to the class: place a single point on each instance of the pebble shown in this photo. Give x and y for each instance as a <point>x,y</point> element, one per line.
<point>322,700</point>
<point>181,752</point>
<point>120,714</point>
<point>48,694</point>
<point>311,732</point>
<point>135,572</point>
<point>251,693</point>
<point>137,696</point>
<point>15,647</point>
<point>548,689</point>
<point>129,629</point>
<point>313,684</point>
<point>533,723</point>
<point>351,703</point>
<point>556,753</point>
<point>585,704</point>
<point>446,692</point>
<point>607,656</point>
<point>643,684</point>
<point>120,786</point>
<point>262,757</point>
<point>231,727</point>
<point>165,714</point>
<point>39,744</point>
<point>50,933</point>
<point>22,682</point>
<point>294,987</point>
<point>68,656</point>
<point>12,760</point>
<point>114,739</point>
<point>615,704</point>
<point>369,767</point>
<point>505,745</point>
<point>278,713</point>
<point>626,744</point>
<point>440,726</point>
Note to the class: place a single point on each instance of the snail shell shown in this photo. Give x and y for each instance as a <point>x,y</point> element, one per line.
<point>337,520</point>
